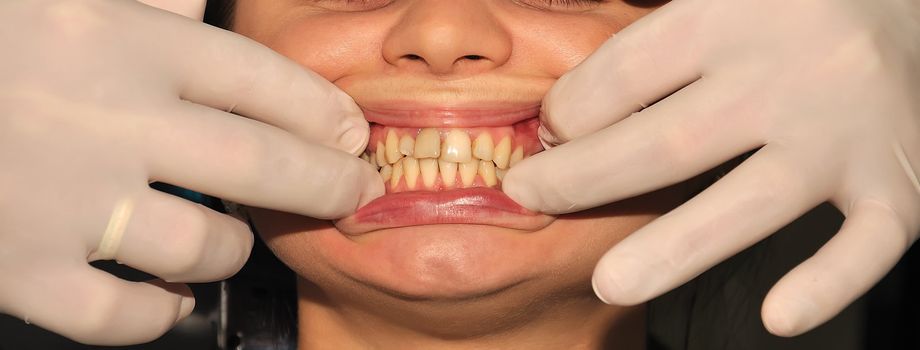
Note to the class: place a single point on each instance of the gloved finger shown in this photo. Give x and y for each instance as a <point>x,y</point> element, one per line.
<point>193,9</point>
<point>691,131</point>
<point>227,71</point>
<point>94,307</point>
<point>754,200</point>
<point>867,246</point>
<point>252,163</point>
<point>182,241</point>
<point>630,71</point>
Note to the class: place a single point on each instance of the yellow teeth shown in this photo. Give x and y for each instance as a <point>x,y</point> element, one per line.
<point>516,156</point>
<point>483,146</point>
<point>448,173</point>
<point>468,172</point>
<point>411,170</point>
<point>502,156</point>
<point>429,168</point>
<point>381,157</point>
<point>407,145</point>
<point>397,174</point>
<point>386,172</point>
<point>456,147</point>
<point>428,157</point>
<point>487,172</point>
<point>427,144</point>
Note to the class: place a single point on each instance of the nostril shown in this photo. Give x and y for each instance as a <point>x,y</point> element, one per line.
<point>414,57</point>
<point>473,57</point>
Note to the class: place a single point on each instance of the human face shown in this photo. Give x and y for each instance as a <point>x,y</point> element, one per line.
<point>473,66</point>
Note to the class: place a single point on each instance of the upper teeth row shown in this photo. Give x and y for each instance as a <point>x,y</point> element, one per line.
<point>426,154</point>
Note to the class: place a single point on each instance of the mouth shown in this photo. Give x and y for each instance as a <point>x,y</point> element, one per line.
<point>445,166</point>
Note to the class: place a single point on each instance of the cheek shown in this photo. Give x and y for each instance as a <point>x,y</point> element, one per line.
<point>332,46</point>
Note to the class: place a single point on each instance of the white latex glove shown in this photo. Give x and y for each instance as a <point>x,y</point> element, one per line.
<point>100,98</point>
<point>828,88</point>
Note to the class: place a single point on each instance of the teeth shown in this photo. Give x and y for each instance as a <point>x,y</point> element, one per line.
<point>386,172</point>
<point>381,157</point>
<point>429,168</point>
<point>373,160</point>
<point>500,174</point>
<point>487,171</point>
<point>365,157</point>
<point>468,172</point>
<point>483,146</point>
<point>397,174</point>
<point>411,170</point>
<point>406,145</point>
<point>427,144</point>
<point>516,156</point>
<point>448,173</point>
<point>502,153</point>
<point>456,147</point>
<point>392,147</point>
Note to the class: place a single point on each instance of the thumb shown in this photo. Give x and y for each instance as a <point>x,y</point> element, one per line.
<point>193,9</point>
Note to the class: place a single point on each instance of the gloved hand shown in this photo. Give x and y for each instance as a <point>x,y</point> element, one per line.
<point>826,89</point>
<point>100,98</point>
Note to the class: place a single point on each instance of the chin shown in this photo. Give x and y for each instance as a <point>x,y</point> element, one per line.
<point>449,262</point>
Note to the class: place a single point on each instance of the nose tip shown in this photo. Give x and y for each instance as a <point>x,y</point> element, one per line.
<point>432,38</point>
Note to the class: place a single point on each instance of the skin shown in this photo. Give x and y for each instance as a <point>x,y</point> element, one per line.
<point>451,286</point>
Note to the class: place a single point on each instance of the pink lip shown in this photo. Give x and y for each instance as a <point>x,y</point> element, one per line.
<point>412,115</point>
<point>479,205</point>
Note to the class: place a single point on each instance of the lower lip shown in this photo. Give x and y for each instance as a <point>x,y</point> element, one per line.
<point>478,205</point>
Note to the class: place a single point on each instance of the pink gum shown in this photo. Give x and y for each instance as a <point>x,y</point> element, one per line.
<point>523,133</point>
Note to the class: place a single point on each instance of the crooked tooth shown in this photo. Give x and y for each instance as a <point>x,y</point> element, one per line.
<point>381,154</point>
<point>516,156</point>
<point>487,172</point>
<point>407,145</point>
<point>386,172</point>
<point>448,173</point>
<point>456,147</point>
<point>500,174</point>
<point>429,168</point>
<point>397,174</point>
<point>483,146</point>
<point>502,153</point>
<point>427,144</point>
<point>468,172</point>
<point>411,171</point>
<point>392,151</point>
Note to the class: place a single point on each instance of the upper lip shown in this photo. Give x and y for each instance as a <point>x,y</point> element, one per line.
<point>420,116</point>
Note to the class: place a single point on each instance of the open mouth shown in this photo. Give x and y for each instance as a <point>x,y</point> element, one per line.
<point>449,170</point>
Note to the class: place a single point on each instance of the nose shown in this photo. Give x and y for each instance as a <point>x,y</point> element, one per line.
<point>447,37</point>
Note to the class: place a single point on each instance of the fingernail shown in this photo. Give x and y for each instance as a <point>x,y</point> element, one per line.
<point>598,292</point>
<point>354,139</point>
<point>186,306</point>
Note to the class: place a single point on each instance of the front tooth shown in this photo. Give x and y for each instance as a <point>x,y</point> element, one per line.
<point>448,173</point>
<point>392,151</point>
<point>397,174</point>
<point>487,171</point>
<point>406,145</point>
<point>468,172</point>
<point>410,168</point>
<point>456,147</point>
<point>427,144</point>
<point>483,146</point>
<point>381,154</point>
<point>386,172</point>
<point>516,156</point>
<point>429,168</point>
<point>502,153</point>
<point>500,174</point>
